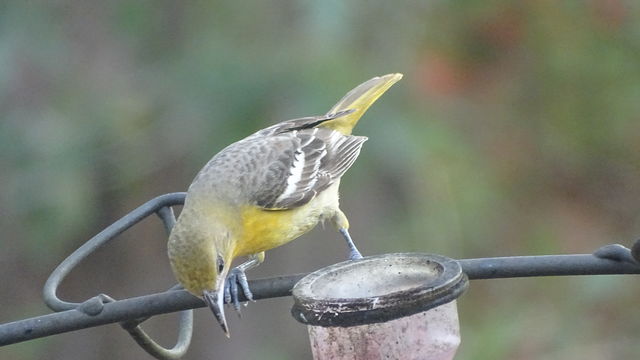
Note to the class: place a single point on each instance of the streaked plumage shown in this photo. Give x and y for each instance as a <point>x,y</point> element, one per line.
<point>266,190</point>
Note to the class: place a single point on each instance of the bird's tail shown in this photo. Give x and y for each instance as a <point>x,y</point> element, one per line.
<point>359,99</point>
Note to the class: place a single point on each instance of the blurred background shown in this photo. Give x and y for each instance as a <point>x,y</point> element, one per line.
<point>514,132</point>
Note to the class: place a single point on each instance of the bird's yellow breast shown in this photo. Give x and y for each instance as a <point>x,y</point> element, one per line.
<point>266,229</point>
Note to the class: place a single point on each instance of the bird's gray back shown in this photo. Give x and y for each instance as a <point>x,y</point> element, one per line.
<point>278,170</point>
<point>238,170</point>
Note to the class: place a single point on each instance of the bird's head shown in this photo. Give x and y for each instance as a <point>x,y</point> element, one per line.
<point>201,252</point>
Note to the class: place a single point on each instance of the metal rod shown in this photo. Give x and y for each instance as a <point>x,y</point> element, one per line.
<point>546,265</point>
<point>128,309</point>
<point>171,301</point>
<point>101,309</point>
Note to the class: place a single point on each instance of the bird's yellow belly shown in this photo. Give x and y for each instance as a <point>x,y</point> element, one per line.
<point>267,229</point>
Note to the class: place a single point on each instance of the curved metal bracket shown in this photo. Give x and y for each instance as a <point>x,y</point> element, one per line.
<point>161,206</point>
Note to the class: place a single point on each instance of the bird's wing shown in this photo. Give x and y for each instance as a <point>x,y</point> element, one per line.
<point>299,124</point>
<point>303,163</point>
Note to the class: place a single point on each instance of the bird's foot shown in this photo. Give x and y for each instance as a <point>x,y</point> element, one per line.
<point>354,254</point>
<point>236,278</point>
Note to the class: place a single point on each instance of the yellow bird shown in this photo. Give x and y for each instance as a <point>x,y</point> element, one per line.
<point>264,191</point>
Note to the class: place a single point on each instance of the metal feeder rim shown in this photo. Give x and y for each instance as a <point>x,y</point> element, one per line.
<point>447,286</point>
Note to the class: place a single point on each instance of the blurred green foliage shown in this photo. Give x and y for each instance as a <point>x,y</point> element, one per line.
<point>514,131</point>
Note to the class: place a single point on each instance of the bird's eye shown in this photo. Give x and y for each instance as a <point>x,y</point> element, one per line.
<point>220,262</point>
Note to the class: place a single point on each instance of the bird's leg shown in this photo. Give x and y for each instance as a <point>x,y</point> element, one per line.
<point>354,254</point>
<point>237,277</point>
<point>341,222</point>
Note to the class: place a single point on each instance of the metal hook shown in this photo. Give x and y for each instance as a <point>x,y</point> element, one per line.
<point>185,331</point>
<point>160,205</point>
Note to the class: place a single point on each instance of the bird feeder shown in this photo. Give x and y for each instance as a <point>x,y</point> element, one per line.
<point>392,306</point>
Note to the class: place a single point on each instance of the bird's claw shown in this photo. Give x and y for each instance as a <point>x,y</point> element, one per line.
<point>231,296</point>
<point>354,254</point>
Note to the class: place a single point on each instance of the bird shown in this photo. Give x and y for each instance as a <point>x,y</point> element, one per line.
<point>264,191</point>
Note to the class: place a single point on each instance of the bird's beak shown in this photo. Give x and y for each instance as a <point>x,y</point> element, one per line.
<point>215,301</point>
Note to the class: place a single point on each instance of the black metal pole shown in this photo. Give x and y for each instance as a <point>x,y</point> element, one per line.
<point>171,301</point>
<point>127,309</point>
